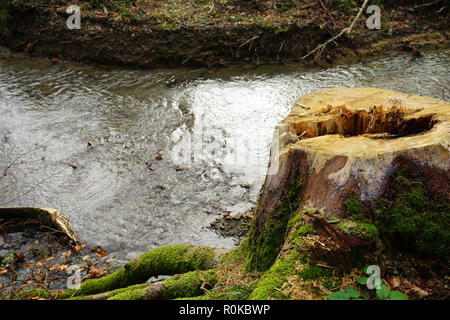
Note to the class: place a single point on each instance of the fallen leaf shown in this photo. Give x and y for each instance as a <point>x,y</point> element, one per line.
<point>394,282</point>
<point>95,272</point>
<point>79,246</point>
<point>248,214</point>
<point>100,254</point>
<point>86,257</point>
<point>110,260</point>
<point>158,155</point>
<point>66,254</point>
<point>63,267</point>
<point>3,271</point>
<point>422,285</point>
<point>44,261</point>
<point>53,267</point>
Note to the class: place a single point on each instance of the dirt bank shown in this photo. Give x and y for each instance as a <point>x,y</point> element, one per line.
<point>217,33</point>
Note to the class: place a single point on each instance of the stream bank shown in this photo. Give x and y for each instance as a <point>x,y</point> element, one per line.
<point>213,34</point>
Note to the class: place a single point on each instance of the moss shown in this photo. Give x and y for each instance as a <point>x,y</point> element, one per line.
<point>163,260</point>
<point>412,220</point>
<point>131,294</point>
<point>312,272</point>
<point>29,294</point>
<point>202,297</point>
<point>190,284</point>
<point>298,231</point>
<point>353,209</point>
<point>305,230</point>
<point>296,220</point>
<point>264,248</point>
<point>275,277</point>
<point>365,231</point>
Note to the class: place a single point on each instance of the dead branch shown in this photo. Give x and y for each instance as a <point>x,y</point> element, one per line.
<point>319,49</point>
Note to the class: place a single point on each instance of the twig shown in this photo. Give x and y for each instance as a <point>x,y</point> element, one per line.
<point>426,4</point>
<point>319,49</point>
<point>32,188</point>
<point>15,160</point>
<point>251,39</point>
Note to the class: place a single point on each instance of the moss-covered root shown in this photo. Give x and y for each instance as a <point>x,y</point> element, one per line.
<point>274,278</point>
<point>166,260</point>
<point>190,284</point>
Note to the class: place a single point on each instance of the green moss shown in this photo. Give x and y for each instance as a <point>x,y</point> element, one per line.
<point>163,260</point>
<point>365,231</point>
<point>275,277</point>
<point>130,294</point>
<point>412,220</point>
<point>305,230</point>
<point>353,209</point>
<point>29,294</point>
<point>264,248</point>
<point>190,284</point>
<point>296,220</point>
<point>265,251</point>
<point>202,297</point>
<point>298,231</point>
<point>312,272</point>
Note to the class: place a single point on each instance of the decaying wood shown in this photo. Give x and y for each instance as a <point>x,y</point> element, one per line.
<point>49,217</point>
<point>344,240</point>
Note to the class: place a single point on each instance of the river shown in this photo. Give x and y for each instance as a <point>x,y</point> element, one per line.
<point>142,158</point>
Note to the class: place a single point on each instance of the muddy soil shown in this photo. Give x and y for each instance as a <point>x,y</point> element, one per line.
<point>233,34</point>
<point>235,227</point>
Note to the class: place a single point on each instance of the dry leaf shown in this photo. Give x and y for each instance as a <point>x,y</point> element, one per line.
<point>395,282</point>
<point>248,214</point>
<point>95,272</point>
<point>79,246</point>
<point>110,260</point>
<point>100,254</point>
<point>3,271</point>
<point>66,254</point>
<point>63,267</point>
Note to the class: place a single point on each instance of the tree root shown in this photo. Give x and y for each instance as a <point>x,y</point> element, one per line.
<point>166,260</point>
<point>190,284</point>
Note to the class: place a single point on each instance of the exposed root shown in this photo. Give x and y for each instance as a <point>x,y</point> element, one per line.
<point>190,284</point>
<point>166,260</point>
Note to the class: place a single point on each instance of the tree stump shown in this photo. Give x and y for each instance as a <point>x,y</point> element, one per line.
<point>348,143</point>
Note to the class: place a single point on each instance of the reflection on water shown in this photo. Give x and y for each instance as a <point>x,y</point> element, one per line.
<point>211,134</point>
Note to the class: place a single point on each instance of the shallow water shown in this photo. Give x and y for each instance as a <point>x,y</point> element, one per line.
<point>213,130</point>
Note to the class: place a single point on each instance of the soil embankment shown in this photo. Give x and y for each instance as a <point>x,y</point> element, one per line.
<point>219,33</point>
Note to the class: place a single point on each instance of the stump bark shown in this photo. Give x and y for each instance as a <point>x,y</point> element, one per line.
<point>348,143</point>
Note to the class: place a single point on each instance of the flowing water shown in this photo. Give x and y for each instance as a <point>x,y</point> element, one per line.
<point>172,150</point>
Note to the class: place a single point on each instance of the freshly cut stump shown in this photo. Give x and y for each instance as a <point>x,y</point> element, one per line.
<point>343,143</point>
